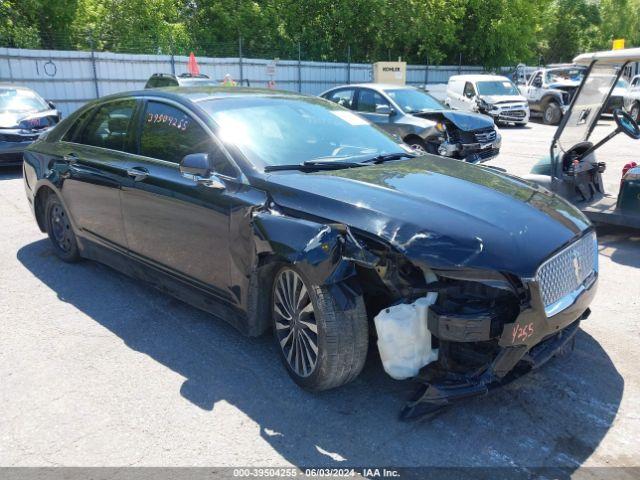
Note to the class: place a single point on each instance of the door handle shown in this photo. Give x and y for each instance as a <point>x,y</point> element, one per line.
<point>138,173</point>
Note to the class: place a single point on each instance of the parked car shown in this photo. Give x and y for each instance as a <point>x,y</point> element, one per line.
<point>279,211</point>
<point>24,116</point>
<point>616,99</point>
<point>492,95</point>
<point>421,121</point>
<point>159,80</point>
<point>632,98</point>
<point>549,91</point>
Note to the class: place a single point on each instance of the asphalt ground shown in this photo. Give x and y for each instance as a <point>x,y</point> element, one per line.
<point>97,369</point>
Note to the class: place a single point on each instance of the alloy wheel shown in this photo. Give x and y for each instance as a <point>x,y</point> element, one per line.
<point>295,322</point>
<point>61,228</point>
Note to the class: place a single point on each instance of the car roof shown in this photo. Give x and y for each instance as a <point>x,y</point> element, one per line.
<point>479,77</point>
<point>199,93</point>
<point>375,86</point>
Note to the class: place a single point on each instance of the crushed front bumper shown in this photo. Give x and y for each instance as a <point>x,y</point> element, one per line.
<point>527,343</point>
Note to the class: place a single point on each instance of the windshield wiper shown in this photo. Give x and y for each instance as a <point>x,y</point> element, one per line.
<point>388,157</point>
<point>314,165</point>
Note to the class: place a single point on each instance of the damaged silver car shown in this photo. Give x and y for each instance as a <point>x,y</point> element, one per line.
<point>282,212</point>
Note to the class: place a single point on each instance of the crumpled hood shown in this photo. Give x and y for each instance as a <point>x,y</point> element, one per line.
<point>466,121</point>
<point>439,212</point>
<point>22,119</point>
<point>498,99</point>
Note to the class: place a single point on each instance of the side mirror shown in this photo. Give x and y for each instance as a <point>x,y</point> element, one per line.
<point>383,110</point>
<point>468,94</point>
<point>196,167</point>
<point>52,105</point>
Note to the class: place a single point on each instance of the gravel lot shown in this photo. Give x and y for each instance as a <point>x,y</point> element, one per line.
<point>99,370</point>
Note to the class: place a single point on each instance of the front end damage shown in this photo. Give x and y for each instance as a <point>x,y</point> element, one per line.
<point>468,330</point>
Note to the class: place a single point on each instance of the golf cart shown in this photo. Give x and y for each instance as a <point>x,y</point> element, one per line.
<point>572,169</point>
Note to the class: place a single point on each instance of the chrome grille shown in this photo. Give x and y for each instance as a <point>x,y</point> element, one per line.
<point>568,270</point>
<point>485,137</point>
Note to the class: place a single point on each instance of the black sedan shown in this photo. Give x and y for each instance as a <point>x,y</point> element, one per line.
<point>24,116</point>
<point>282,212</point>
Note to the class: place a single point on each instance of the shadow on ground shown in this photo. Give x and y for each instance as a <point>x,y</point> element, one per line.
<point>622,245</point>
<point>553,417</point>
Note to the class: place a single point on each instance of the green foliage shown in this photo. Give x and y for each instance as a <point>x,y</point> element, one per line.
<point>485,32</point>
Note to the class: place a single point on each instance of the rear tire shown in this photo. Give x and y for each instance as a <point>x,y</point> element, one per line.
<point>552,113</point>
<point>60,231</point>
<point>321,345</point>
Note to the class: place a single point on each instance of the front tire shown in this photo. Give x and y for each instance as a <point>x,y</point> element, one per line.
<point>60,231</point>
<point>635,112</point>
<point>552,113</point>
<point>321,345</point>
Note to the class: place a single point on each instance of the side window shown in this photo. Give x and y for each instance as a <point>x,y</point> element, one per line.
<point>169,134</point>
<point>537,80</point>
<point>342,97</point>
<point>109,127</point>
<point>369,101</point>
<point>469,90</point>
<point>635,82</point>
<point>74,130</point>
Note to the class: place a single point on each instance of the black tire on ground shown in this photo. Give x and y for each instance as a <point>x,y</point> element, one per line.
<point>341,336</point>
<point>60,230</point>
<point>635,111</point>
<point>552,113</point>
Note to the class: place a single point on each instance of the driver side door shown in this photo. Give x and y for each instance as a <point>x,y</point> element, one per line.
<point>172,222</point>
<point>377,109</point>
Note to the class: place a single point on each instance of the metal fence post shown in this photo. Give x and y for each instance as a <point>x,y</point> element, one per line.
<point>240,59</point>
<point>426,72</point>
<point>299,68</point>
<point>348,64</point>
<point>172,59</point>
<point>93,66</point>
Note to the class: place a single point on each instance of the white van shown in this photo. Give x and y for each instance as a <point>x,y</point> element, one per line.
<point>489,94</point>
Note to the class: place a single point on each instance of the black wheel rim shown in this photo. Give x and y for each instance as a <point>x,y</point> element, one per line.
<point>61,229</point>
<point>295,323</point>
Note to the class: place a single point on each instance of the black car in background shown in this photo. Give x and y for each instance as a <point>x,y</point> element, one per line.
<point>160,80</point>
<point>421,121</point>
<point>24,116</point>
<point>276,211</point>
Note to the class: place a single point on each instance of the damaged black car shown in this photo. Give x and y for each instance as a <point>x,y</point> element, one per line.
<point>24,116</point>
<point>286,213</point>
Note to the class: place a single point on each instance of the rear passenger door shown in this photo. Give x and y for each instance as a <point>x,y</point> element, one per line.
<point>172,222</point>
<point>94,155</point>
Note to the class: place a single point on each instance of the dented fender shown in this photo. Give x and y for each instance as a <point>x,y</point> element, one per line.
<point>326,254</point>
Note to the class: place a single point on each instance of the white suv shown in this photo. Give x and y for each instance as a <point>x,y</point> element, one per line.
<point>492,95</point>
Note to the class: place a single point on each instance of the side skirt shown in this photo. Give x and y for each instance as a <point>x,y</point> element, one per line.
<point>189,293</point>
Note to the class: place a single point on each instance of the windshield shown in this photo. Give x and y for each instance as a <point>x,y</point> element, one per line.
<point>565,75</point>
<point>586,107</point>
<point>497,87</point>
<point>412,100</point>
<point>18,100</point>
<point>283,131</point>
